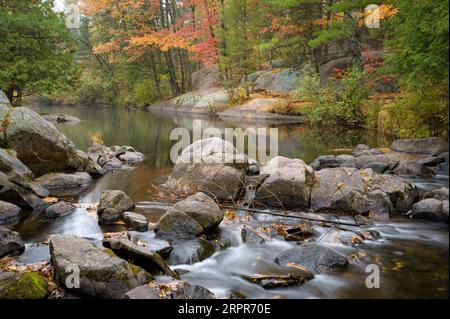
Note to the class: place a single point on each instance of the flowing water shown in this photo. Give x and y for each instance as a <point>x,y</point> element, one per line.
<point>413,255</point>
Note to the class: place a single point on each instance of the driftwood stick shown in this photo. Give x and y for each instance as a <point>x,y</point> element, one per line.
<point>280,214</point>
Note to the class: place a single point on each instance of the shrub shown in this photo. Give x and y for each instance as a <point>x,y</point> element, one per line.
<point>95,91</point>
<point>415,114</point>
<point>339,101</point>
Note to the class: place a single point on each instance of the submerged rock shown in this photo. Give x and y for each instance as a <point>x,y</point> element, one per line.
<point>60,118</point>
<point>9,213</point>
<point>249,236</point>
<point>10,243</point>
<point>155,245</point>
<point>191,251</point>
<point>112,205</point>
<point>314,257</point>
<point>212,167</point>
<point>136,221</point>
<point>102,273</point>
<point>288,184</point>
<point>29,285</point>
<point>64,180</point>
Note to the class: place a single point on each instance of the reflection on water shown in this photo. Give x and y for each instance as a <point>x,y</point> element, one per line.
<point>413,255</point>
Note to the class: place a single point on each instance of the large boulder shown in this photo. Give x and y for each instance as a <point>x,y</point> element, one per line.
<point>288,184</point>
<point>341,190</point>
<point>281,81</point>
<point>102,273</point>
<point>210,166</point>
<point>313,257</point>
<point>10,243</point>
<point>203,209</point>
<point>112,205</point>
<point>63,180</point>
<point>427,146</point>
<point>9,213</point>
<point>206,78</point>
<point>175,224</point>
<point>360,191</point>
<point>29,285</point>
<point>386,160</point>
<point>431,209</point>
<point>39,145</point>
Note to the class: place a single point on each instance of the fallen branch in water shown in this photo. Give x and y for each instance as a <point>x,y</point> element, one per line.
<point>287,214</point>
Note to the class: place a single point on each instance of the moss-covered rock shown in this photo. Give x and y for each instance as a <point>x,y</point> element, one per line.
<point>29,285</point>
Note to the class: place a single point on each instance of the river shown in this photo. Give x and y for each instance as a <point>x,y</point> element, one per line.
<point>413,255</point>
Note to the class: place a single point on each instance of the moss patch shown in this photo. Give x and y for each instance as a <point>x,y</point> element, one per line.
<point>28,286</point>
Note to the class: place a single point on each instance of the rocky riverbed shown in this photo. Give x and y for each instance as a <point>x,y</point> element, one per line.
<point>281,229</point>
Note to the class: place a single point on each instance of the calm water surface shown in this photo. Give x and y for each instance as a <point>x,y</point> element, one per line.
<point>413,255</point>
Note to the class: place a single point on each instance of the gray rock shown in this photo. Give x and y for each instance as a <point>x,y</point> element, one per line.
<point>282,81</point>
<point>102,273</point>
<point>218,171</point>
<point>402,194</point>
<point>441,194</point>
<point>139,255</point>
<point>109,216</point>
<point>380,204</point>
<point>429,209</point>
<point>91,166</point>
<point>427,146</point>
<point>288,185</point>
<point>249,236</point>
<point>347,161</point>
<point>18,195</point>
<point>155,245</point>
<point>112,165</point>
<point>313,257</point>
<point>10,243</point>
<point>348,190</point>
<point>377,167</point>
<point>175,224</point>
<point>191,292</point>
<point>4,101</point>
<point>39,145</point>
<point>364,150</point>
<point>9,213</point>
<point>136,221</point>
<point>366,160</point>
<point>326,161</point>
<point>203,209</point>
<point>131,158</point>
<point>63,180</point>
<point>143,293</point>
<point>112,205</point>
<point>58,210</point>
<point>341,190</point>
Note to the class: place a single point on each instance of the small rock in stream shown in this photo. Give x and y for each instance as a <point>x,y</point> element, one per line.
<point>10,243</point>
<point>249,236</point>
<point>136,221</point>
<point>58,210</point>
